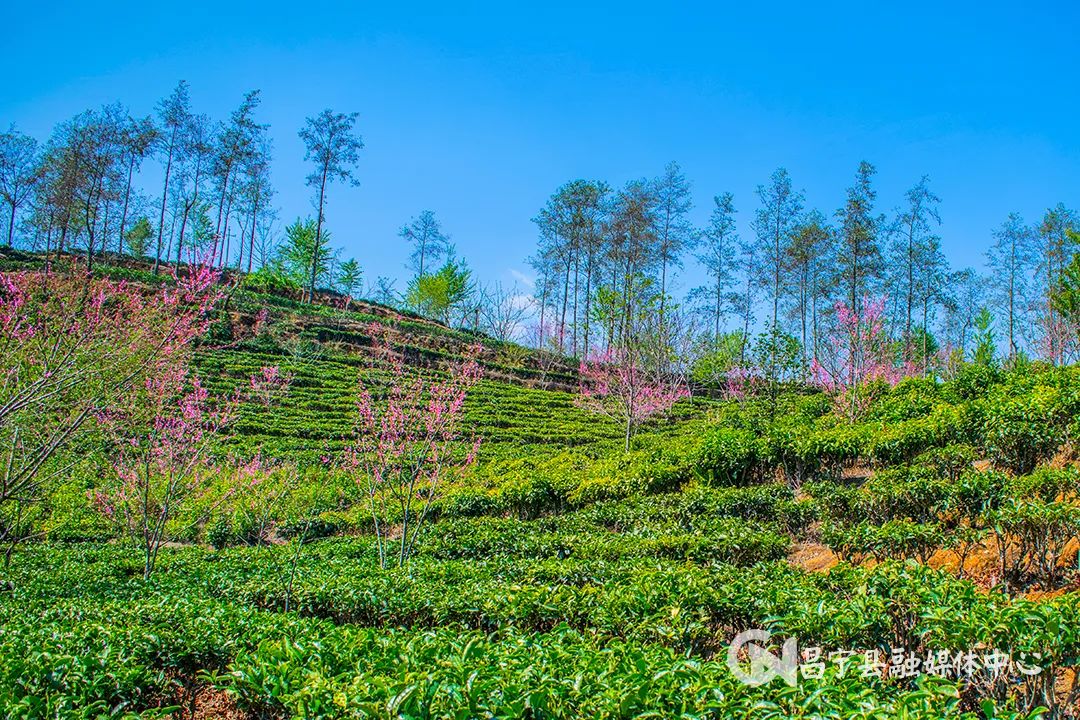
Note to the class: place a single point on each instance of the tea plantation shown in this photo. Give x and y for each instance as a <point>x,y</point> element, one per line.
<point>563,577</point>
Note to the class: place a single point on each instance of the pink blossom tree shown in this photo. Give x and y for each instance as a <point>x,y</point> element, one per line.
<point>163,440</point>
<point>407,440</point>
<point>615,383</point>
<point>71,347</point>
<point>861,356</point>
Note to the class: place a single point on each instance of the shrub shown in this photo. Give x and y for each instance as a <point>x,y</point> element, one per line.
<point>911,398</point>
<point>809,452</point>
<point>976,492</point>
<point>916,494</point>
<point>1032,537</point>
<point>219,532</point>
<point>851,543</point>
<point>1020,430</point>
<point>904,539</point>
<point>905,440</point>
<point>728,457</point>
<point>895,539</point>
<point>468,502</point>
<point>834,500</point>
<point>1047,484</point>
<point>973,381</point>
<point>949,462</point>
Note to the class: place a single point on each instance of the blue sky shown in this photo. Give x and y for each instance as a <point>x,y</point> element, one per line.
<point>479,111</point>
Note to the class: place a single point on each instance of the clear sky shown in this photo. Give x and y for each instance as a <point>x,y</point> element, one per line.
<point>479,111</point>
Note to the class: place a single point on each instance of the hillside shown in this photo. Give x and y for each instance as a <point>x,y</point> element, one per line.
<point>561,576</point>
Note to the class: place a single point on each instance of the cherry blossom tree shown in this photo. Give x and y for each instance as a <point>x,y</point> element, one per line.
<point>160,467</point>
<point>861,357</point>
<point>615,383</point>
<point>72,346</point>
<point>407,440</point>
<point>163,441</point>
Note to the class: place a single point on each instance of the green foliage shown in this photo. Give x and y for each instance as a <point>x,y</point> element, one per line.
<point>718,358</point>
<point>561,577</point>
<point>728,456</point>
<point>138,237</point>
<point>575,636</point>
<point>985,343</point>
<point>272,278</point>
<point>923,347</point>
<point>300,252</point>
<point>439,294</point>
<point>1066,296</point>
<point>1021,429</point>
<point>901,442</point>
<point>1033,536</point>
<point>349,276</point>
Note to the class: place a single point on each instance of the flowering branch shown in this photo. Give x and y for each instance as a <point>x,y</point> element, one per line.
<point>862,357</point>
<point>162,442</point>
<point>406,441</point>
<point>72,346</point>
<point>615,384</point>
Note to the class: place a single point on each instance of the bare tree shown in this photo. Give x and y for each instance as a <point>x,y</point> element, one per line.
<point>196,154</point>
<point>859,261</point>
<point>237,141</point>
<point>962,303</point>
<point>503,310</point>
<point>137,138</point>
<point>744,302</point>
<point>718,253</point>
<point>1011,262</point>
<point>569,259</point>
<point>632,254</point>
<point>932,287</point>
<point>912,232</point>
<point>85,154</point>
<point>775,224</point>
<point>809,254</point>
<point>1056,246</point>
<point>674,232</point>
<point>257,192</point>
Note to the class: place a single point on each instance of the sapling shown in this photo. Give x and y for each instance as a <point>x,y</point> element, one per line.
<point>162,453</point>
<point>616,383</point>
<point>861,356</point>
<point>407,442</point>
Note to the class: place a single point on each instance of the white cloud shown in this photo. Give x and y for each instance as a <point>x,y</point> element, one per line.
<point>522,278</point>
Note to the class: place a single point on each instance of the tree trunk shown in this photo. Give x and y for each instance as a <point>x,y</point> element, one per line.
<point>719,301</point>
<point>11,225</point>
<point>588,297</point>
<point>565,297</point>
<point>910,288</point>
<point>576,294</point>
<point>318,235</point>
<point>164,201</point>
<point>123,215</point>
<point>254,219</point>
<point>221,207</point>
